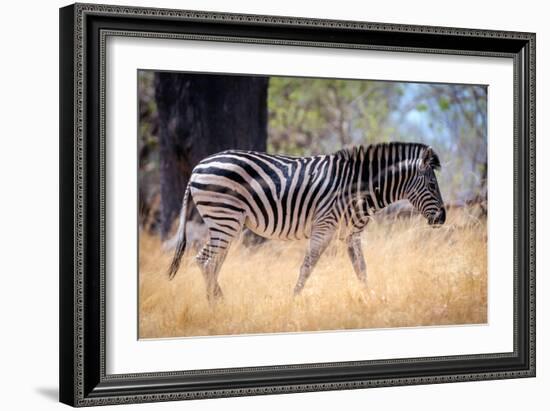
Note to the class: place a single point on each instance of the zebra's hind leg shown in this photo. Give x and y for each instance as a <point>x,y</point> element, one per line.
<point>223,227</point>
<point>318,243</point>
<point>210,259</point>
<point>353,243</point>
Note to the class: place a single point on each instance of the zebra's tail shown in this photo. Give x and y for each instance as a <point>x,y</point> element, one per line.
<point>180,237</point>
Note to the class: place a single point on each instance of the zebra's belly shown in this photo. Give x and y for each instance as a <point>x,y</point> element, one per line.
<point>299,231</point>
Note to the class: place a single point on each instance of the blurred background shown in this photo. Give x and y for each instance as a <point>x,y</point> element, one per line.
<point>185,117</point>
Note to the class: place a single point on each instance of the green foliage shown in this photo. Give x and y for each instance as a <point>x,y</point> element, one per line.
<point>444,104</point>
<point>308,116</point>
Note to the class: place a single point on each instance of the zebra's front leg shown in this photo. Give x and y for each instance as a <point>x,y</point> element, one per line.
<point>317,245</point>
<point>355,253</point>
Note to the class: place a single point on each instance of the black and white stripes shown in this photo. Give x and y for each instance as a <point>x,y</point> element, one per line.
<point>291,198</point>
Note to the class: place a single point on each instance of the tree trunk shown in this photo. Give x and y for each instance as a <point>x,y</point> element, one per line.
<point>199,115</point>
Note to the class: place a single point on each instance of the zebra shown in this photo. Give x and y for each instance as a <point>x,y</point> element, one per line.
<point>315,198</point>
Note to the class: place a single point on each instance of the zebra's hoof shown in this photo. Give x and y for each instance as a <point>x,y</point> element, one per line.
<point>218,294</point>
<point>215,297</point>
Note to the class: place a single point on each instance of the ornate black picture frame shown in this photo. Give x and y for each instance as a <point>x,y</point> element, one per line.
<point>83,30</point>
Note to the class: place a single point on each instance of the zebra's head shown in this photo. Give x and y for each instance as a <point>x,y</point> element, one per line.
<point>424,191</point>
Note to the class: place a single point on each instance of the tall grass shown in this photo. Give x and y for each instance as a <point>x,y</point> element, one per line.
<point>417,276</point>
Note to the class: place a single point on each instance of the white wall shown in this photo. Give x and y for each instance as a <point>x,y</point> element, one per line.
<point>29,204</point>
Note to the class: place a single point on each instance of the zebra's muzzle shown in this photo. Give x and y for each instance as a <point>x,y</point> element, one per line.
<point>438,218</point>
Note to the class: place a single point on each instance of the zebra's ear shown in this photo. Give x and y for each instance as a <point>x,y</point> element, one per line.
<point>430,159</point>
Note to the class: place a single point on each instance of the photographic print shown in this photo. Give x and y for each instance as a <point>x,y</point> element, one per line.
<point>272,204</point>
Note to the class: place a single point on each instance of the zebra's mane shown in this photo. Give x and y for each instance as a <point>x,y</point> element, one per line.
<point>416,151</point>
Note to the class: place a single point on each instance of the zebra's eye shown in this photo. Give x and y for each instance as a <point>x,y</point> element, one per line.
<point>432,185</point>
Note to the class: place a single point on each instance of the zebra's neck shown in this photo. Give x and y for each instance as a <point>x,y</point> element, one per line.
<point>392,183</point>
<point>380,174</point>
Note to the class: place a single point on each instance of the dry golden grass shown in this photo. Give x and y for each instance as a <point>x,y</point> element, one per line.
<point>417,276</point>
